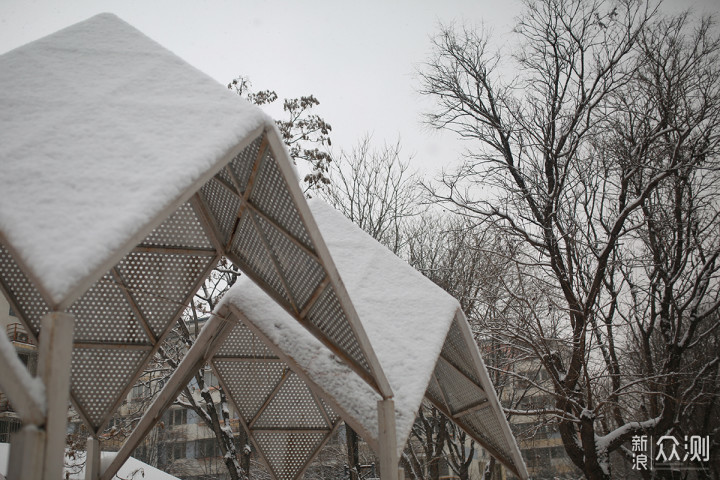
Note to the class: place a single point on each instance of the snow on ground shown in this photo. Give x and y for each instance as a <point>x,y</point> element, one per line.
<point>133,469</point>
<point>405,315</point>
<point>101,129</point>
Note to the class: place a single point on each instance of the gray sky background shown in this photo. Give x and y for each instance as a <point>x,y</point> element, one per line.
<point>358,58</point>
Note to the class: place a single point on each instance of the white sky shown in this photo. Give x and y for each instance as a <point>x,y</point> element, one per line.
<point>357,57</point>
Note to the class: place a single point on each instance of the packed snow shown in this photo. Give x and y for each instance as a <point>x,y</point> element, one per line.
<point>133,469</point>
<point>405,315</point>
<point>101,130</point>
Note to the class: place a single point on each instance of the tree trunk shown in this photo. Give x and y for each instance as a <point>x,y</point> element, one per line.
<point>352,453</point>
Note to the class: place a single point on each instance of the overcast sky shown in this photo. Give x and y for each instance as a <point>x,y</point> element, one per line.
<point>358,58</point>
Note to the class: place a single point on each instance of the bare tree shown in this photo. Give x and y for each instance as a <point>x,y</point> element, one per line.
<point>475,265</point>
<point>375,188</point>
<point>599,158</point>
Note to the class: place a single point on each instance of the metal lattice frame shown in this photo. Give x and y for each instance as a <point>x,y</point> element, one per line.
<point>252,212</point>
<point>233,194</point>
<point>254,370</point>
<point>456,389</point>
<point>285,419</point>
<point>250,209</point>
<point>121,319</point>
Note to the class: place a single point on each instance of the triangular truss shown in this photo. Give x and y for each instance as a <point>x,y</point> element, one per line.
<point>458,388</point>
<point>286,420</point>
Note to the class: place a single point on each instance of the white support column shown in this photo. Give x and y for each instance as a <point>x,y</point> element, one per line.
<point>92,459</point>
<point>387,440</point>
<point>54,358</point>
<point>26,453</point>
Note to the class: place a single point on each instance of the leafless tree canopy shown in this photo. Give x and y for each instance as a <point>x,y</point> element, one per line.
<point>594,152</point>
<point>374,187</point>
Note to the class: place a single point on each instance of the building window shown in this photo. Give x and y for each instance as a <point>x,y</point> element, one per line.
<point>178,417</point>
<point>24,358</point>
<point>177,451</point>
<point>210,379</point>
<point>8,426</point>
<point>140,391</point>
<point>207,448</point>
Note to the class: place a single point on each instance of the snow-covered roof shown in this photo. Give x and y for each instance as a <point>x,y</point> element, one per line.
<point>102,130</point>
<point>127,175</point>
<point>418,331</point>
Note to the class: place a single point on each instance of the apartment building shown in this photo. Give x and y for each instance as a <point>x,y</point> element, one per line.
<point>27,352</point>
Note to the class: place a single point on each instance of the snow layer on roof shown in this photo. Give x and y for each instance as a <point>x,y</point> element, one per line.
<point>405,315</point>
<point>101,129</point>
<point>132,469</point>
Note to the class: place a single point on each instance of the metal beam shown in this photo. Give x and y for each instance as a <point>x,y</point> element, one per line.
<point>54,362</point>
<point>477,387</point>
<point>482,404</point>
<point>207,220</point>
<point>314,297</point>
<point>387,440</point>
<point>133,305</point>
<point>195,252</point>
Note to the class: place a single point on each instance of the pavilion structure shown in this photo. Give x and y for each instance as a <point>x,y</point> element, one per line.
<point>128,175</point>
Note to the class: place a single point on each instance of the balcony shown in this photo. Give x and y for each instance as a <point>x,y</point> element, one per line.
<point>16,333</point>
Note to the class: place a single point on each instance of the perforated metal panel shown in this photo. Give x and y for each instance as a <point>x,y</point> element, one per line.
<point>182,229</point>
<point>272,197</point>
<point>223,206</point>
<point>433,392</point>
<point>255,216</point>
<point>99,377</point>
<point>242,165</point>
<point>328,316</point>
<point>103,315</point>
<point>135,305</point>
<point>292,407</point>
<point>485,427</point>
<point>456,389</point>
<point>460,392</point>
<point>121,318</point>
<point>28,303</point>
<point>285,419</point>
<point>241,341</point>
<point>288,453</point>
<point>160,282</point>
<point>302,272</point>
<point>248,245</point>
<point>250,384</point>
<point>455,351</point>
